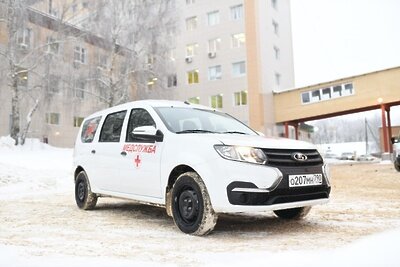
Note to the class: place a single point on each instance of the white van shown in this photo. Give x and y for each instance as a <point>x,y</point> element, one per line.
<point>196,162</point>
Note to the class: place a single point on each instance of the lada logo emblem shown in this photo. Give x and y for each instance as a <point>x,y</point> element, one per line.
<point>299,156</point>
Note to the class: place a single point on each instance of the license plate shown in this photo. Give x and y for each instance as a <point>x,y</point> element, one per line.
<point>305,180</point>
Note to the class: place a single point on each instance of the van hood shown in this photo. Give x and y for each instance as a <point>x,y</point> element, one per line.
<point>263,142</point>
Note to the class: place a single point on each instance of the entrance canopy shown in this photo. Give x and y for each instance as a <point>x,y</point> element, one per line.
<point>375,90</point>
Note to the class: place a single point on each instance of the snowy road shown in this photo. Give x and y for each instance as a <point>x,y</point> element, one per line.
<point>41,226</point>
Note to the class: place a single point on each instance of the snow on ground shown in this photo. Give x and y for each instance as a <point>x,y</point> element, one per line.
<point>36,173</point>
<point>33,168</point>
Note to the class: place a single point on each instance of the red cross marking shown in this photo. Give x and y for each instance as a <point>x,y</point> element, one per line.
<point>137,161</point>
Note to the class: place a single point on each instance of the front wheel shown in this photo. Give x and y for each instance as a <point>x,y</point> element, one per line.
<point>293,214</point>
<point>84,197</point>
<point>191,206</point>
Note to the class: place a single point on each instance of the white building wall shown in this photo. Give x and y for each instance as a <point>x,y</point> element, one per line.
<point>227,55</point>
<point>270,65</point>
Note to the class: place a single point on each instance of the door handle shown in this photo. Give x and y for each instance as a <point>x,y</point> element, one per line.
<point>123,153</point>
<point>93,151</point>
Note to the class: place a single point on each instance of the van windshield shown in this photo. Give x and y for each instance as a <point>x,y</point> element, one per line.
<point>190,120</point>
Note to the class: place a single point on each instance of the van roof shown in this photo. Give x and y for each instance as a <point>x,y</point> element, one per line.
<point>150,103</point>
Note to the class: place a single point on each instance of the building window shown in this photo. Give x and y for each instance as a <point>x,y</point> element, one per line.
<point>103,61</point>
<point>275,26</point>
<point>214,73</point>
<point>274,4</point>
<point>277,52</point>
<point>239,68</point>
<point>240,98</point>
<point>53,84</point>
<point>237,12</point>
<point>216,101</point>
<point>348,89</point>
<point>24,38</point>
<point>191,50</point>
<point>22,81</point>
<point>172,54</point>
<point>213,18</point>
<point>238,40</point>
<point>214,45</point>
<point>190,2</point>
<point>193,76</point>
<point>327,93</point>
<point>172,81</point>
<point>151,83</point>
<point>80,87</point>
<point>277,79</point>
<point>194,100</point>
<point>78,121</point>
<point>52,45</point>
<point>80,54</point>
<point>316,96</point>
<point>53,118</point>
<point>191,23</point>
<point>337,91</point>
<point>305,97</point>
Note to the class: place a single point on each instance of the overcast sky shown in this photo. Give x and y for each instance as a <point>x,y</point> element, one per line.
<point>338,38</point>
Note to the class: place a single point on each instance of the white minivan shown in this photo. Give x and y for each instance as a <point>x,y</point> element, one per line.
<point>196,162</point>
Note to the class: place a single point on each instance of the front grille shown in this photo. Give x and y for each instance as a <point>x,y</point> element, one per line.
<point>283,157</point>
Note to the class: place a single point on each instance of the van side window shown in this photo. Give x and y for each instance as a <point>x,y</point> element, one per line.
<point>112,126</point>
<point>139,117</point>
<point>89,129</point>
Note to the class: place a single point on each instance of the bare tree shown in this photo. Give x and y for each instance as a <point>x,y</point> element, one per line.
<point>138,36</point>
<point>27,60</point>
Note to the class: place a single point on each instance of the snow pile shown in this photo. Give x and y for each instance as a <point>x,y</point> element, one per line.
<point>34,168</point>
<point>377,250</point>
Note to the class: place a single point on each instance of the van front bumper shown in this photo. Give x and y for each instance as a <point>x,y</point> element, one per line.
<point>243,187</point>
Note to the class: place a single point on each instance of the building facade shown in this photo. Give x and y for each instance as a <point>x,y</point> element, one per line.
<point>232,54</point>
<point>59,66</point>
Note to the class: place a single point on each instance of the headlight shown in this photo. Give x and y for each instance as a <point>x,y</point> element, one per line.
<point>241,153</point>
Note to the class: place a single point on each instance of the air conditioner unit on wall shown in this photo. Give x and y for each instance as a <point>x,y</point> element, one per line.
<point>23,46</point>
<point>212,54</point>
<point>188,59</point>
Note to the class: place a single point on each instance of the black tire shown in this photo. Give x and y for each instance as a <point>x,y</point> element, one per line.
<point>191,206</point>
<point>84,197</point>
<point>397,165</point>
<point>293,214</point>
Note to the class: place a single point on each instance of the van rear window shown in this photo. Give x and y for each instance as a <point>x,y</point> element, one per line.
<point>89,129</point>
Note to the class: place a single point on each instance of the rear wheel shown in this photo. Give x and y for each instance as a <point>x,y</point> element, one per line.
<point>191,206</point>
<point>84,197</point>
<point>397,165</point>
<point>293,214</point>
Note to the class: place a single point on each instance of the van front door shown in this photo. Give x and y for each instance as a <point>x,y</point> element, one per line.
<point>141,164</point>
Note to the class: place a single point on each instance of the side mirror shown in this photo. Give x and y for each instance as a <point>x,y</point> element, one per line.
<point>147,133</point>
<point>394,140</point>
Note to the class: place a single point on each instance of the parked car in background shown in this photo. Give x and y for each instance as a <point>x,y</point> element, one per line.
<point>347,156</point>
<point>366,158</point>
<point>396,152</point>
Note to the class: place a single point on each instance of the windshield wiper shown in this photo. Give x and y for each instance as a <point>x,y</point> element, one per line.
<point>194,131</point>
<point>233,132</point>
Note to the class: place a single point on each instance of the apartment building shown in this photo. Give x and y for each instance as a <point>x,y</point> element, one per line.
<point>232,54</point>
<point>68,64</point>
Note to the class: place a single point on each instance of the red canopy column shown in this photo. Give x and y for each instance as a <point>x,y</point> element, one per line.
<point>385,130</point>
<point>389,129</point>
<point>286,129</point>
